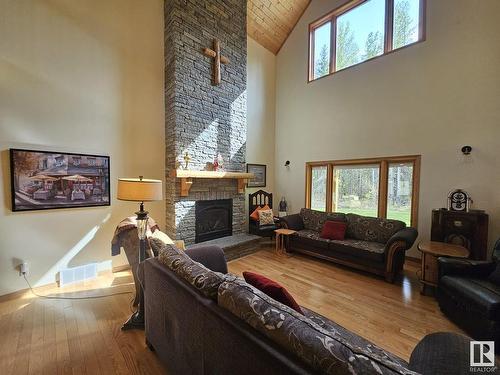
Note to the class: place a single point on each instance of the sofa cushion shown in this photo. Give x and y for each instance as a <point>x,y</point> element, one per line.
<point>370,251</point>
<point>333,230</point>
<point>332,327</point>
<point>326,351</point>
<point>480,293</point>
<point>314,220</point>
<point>372,229</point>
<point>367,250</point>
<point>272,289</point>
<point>206,281</point>
<point>311,238</point>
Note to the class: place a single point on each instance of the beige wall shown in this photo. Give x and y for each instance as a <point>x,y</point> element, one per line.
<point>78,76</point>
<point>428,99</point>
<point>261,76</point>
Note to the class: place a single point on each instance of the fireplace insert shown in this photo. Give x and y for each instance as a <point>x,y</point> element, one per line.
<point>213,219</point>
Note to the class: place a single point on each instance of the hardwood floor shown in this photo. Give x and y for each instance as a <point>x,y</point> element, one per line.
<point>46,336</point>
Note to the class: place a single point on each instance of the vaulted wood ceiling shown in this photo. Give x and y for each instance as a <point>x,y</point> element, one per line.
<point>271,21</point>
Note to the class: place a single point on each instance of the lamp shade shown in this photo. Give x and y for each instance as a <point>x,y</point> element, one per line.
<point>139,190</point>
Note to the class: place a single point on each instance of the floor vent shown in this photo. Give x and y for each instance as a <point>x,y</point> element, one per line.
<point>76,274</point>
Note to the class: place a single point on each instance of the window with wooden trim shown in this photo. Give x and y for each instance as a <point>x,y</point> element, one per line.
<point>361,30</point>
<point>380,187</point>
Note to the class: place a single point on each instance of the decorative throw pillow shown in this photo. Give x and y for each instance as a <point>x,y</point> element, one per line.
<point>334,230</point>
<point>160,236</point>
<point>255,214</point>
<point>314,220</point>
<point>272,289</point>
<point>266,217</point>
<point>372,229</point>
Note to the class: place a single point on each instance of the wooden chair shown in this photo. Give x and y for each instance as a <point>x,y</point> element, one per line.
<point>260,198</point>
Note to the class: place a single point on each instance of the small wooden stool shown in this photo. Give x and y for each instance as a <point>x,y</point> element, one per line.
<point>281,237</point>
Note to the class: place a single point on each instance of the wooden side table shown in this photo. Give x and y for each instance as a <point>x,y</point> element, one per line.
<point>281,237</point>
<point>432,250</point>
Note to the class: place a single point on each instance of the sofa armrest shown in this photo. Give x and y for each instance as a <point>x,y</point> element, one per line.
<point>211,257</point>
<point>395,251</point>
<point>293,222</point>
<point>464,267</point>
<point>407,235</point>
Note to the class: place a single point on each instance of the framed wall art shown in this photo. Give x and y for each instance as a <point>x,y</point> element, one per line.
<point>42,180</point>
<point>259,170</point>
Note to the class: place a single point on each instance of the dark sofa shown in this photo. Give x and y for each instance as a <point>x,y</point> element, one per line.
<point>371,244</point>
<point>192,335</point>
<point>206,321</point>
<point>469,294</point>
<point>240,330</point>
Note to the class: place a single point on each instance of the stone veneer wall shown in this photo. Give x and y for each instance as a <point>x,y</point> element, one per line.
<point>202,119</point>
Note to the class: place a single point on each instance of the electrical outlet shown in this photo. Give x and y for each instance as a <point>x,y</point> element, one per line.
<point>23,269</point>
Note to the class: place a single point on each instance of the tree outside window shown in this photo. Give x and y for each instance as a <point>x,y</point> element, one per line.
<point>360,33</point>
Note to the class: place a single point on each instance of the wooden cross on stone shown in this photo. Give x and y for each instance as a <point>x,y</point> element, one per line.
<point>218,58</point>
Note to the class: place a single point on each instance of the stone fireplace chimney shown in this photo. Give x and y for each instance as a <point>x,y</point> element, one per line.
<point>202,119</point>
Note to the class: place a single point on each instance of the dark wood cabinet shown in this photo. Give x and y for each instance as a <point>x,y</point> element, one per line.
<point>467,229</point>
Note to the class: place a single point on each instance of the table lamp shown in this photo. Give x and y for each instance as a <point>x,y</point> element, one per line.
<point>139,190</point>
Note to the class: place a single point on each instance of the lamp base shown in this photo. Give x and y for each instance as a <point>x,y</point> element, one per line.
<point>136,321</point>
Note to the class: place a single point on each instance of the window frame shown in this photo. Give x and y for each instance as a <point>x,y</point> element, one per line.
<point>388,34</point>
<point>329,170</point>
<point>383,163</point>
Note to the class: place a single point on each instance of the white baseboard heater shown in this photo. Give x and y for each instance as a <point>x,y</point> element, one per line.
<point>76,274</point>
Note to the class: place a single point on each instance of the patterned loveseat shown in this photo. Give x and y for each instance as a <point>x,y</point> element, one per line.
<point>200,321</point>
<point>371,244</point>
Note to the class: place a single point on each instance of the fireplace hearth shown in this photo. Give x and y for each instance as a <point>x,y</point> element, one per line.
<point>213,219</point>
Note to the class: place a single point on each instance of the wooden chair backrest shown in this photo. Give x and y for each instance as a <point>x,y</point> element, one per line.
<point>259,198</point>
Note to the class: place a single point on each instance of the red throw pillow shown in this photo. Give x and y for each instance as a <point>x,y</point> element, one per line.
<point>272,289</point>
<point>333,230</point>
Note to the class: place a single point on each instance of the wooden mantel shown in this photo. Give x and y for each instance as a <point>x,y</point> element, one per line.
<point>186,178</point>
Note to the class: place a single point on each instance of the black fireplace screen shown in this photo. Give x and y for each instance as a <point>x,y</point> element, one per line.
<point>214,219</point>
